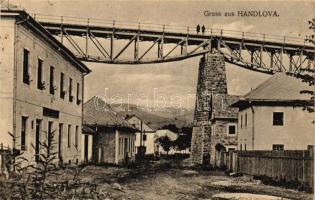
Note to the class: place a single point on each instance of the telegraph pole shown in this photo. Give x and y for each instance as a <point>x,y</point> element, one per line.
<point>141,133</point>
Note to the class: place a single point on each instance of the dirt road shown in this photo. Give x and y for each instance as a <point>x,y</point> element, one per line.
<point>167,180</point>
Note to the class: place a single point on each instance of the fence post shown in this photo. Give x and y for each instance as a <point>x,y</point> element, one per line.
<point>303,168</point>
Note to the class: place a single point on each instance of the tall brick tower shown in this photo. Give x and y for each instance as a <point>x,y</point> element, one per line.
<point>211,81</point>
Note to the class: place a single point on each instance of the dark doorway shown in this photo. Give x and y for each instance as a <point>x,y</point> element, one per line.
<point>37,139</point>
<point>49,137</point>
<point>60,135</point>
<point>126,158</point>
<point>219,155</point>
<point>86,148</point>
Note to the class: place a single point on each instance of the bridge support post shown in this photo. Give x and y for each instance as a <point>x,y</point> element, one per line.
<point>211,81</point>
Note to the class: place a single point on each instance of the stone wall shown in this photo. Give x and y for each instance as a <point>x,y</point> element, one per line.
<point>211,81</point>
<point>104,146</point>
<point>220,136</point>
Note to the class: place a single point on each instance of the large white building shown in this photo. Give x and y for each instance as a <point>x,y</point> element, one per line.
<point>41,89</point>
<point>274,116</point>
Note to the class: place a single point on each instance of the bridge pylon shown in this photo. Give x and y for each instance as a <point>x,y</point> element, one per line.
<point>211,83</point>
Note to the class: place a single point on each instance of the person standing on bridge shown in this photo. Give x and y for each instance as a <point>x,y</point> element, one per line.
<point>203,29</point>
<point>198,29</point>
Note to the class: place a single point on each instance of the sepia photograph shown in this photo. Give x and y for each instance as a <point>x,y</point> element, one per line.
<point>157,99</point>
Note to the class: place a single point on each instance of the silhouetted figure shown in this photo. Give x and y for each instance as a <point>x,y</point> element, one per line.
<point>198,28</point>
<point>203,29</point>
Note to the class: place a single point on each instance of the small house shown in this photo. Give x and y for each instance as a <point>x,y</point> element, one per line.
<point>146,132</point>
<point>223,128</point>
<point>113,137</point>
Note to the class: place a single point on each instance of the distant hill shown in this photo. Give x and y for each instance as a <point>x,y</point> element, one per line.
<point>156,119</point>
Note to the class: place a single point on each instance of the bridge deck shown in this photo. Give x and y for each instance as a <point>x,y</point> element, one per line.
<point>172,37</point>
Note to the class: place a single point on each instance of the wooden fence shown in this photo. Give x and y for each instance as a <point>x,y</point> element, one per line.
<point>284,166</point>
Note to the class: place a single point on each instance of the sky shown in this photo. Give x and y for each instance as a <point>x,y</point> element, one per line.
<point>174,84</point>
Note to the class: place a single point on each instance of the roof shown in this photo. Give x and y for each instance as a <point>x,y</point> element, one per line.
<point>278,88</point>
<point>12,11</point>
<point>87,129</point>
<point>220,103</point>
<point>97,112</point>
<point>165,132</point>
<point>128,117</point>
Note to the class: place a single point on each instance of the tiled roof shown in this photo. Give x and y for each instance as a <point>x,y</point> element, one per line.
<point>220,105</point>
<point>278,88</point>
<point>96,111</point>
<point>145,122</point>
<point>87,129</point>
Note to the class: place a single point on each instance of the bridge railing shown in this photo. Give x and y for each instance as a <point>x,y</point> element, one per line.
<point>171,28</point>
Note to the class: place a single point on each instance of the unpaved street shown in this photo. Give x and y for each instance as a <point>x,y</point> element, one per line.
<point>166,180</point>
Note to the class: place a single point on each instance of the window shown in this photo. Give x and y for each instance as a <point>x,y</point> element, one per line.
<point>76,136</point>
<point>40,83</point>
<point>26,76</point>
<point>62,80</point>
<point>37,138</point>
<point>278,147</point>
<point>78,94</point>
<point>70,90</point>
<point>231,129</point>
<point>51,81</point>
<point>241,121</point>
<point>213,130</point>
<point>132,145</point>
<point>245,120</point>
<point>122,146</point>
<point>69,136</point>
<point>241,147</point>
<point>121,141</point>
<point>23,133</point>
<point>310,147</point>
<point>245,147</point>
<point>278,118</point>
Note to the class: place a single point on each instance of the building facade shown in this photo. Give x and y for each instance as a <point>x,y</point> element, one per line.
<point>148,134</point>
<point>113,137</point>
<point>223,128</point>
<point>273,116</point>
<point>41,89</point>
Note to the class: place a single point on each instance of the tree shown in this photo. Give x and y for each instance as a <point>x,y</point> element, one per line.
<point>171,127</point>
<point>311,38</point>
<point>307,75</point>
<point>184,139</point>
<point>166,143</point>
